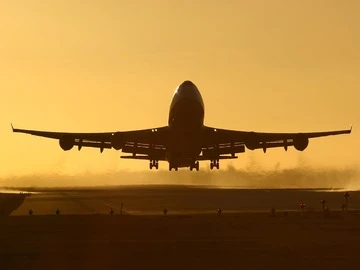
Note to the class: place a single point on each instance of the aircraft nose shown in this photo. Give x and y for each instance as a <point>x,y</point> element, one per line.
<point>188,95</point>
<point>185,83</point>
<point>187,89</point>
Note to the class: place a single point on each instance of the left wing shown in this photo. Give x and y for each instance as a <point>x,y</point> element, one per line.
<point>150,142</point>
<point>260,140</point>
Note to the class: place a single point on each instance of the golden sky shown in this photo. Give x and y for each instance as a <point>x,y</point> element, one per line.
<point>112,65</point>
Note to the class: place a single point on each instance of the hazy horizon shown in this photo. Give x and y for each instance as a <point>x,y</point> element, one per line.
<point>254,177</point>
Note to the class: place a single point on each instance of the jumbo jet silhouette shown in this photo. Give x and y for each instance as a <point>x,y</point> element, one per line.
<point>185,140</point>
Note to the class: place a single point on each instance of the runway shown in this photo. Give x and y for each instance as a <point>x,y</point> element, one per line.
<point>191,236</point>
<point>151,200</point>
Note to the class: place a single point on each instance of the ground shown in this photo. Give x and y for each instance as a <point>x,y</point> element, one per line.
<point>191,236</point>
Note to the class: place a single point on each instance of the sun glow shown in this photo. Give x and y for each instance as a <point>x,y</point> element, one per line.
<point>92,66</point>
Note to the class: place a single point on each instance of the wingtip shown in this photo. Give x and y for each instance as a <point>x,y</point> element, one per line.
<point>12,127</point>
<point>351,128</point>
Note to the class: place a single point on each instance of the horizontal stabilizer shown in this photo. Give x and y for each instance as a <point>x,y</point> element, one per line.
<point>142,157</point>
<point>219,157</point>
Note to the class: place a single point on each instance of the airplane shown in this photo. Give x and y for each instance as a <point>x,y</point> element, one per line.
<point>185,140</point>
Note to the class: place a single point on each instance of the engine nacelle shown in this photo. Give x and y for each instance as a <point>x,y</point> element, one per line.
<point>301,142</point>
<point>117,142</point>
<point>252,142</point>
<point>66,142</point>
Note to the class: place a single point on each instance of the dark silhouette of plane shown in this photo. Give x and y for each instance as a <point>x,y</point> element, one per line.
<point>185,140</point>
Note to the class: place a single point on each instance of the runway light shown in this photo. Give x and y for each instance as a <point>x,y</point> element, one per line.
<point>111,212</point>
<point>30,212</point>
<point>346,195</point>
<point>219,211</point>
<point>57,211</point>
<point>165,211</point>
<point>323,202</point>
<point>302,206</point>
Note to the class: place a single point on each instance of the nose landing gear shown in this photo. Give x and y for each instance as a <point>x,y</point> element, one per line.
<point>195,166</point>
<point>214,164</point>
<point>172,167</point>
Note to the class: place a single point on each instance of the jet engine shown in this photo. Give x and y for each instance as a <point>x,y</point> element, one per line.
<point>301,142</point>
<point>252,142</point>
<point>66,142</point>
<point>117,142</point>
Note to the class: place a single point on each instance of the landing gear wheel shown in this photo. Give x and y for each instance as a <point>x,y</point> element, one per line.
<point>154,163</point>
<point>214,164</point>
<point>195,166</point>
<point>172,167</point>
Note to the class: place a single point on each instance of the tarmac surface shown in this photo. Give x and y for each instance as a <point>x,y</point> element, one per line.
<point>191,236</point>
<point>151,200</point>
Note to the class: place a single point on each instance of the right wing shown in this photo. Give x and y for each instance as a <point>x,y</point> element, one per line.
<point>149,142</point>
<point>225,135</point>
<point>233,141</point>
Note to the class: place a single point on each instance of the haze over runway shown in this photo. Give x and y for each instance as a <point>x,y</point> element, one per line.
<point>103,66</point>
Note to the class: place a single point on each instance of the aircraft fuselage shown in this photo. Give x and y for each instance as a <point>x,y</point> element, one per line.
<point>186,122</point>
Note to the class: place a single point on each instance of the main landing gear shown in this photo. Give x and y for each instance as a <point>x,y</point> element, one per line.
<point>214,164</point>
<point>195,166</point>
<point>154,163</point>
<point>172,167</point>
